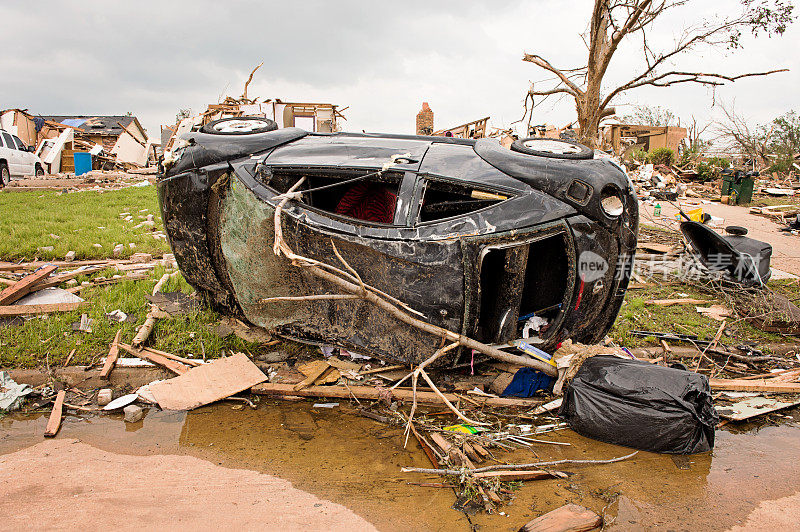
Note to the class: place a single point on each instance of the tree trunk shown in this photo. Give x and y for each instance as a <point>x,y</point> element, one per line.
<point>588,110</point>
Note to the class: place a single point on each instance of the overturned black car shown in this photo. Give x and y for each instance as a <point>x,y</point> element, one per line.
<point>494,244</point>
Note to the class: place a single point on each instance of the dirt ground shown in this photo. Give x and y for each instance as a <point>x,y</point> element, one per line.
<point>64,484</point>
<point>290,466</point>
<point>785,246</point>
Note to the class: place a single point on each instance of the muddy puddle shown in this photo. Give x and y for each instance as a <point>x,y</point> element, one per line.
<point>355,461</point>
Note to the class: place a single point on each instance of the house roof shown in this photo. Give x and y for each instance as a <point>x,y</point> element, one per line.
<point>96,125</point>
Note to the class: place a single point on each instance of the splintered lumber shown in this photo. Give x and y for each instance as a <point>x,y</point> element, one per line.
<point>371,393</point>
<point>111,358</point>
<point>54,423</point>
<point>46,308</point>
<point>187,361</point>
<point>314,373</point>
<point>56,280</point>
<point>210,382</point>
<point>568,518</point>
<point>10,266</point>
<point>25,285</point>
<point>426,447</point>
<point>455,454</point>
<point>172,365</point>
<point>764,385</point>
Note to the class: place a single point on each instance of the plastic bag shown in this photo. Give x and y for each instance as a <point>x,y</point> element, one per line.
<point>641,405</point>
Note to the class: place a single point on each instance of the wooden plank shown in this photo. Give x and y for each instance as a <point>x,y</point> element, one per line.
<point>25,285</point>
<point>172,365</point>
<point>24,310</point>
<point>738,385</point>
<point>368,392</point>
<point>210,382</point>
<point>568,518</point>
<point>54,423</point>
<point>111,358</point>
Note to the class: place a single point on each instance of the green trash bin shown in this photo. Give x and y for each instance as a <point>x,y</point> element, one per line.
<point>738,185</point>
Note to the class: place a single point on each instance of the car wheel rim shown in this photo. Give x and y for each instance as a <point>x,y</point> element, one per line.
<point>240,126</point>
<point>551,146</point>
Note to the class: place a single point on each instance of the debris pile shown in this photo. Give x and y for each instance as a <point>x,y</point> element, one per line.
<point>95,180</point>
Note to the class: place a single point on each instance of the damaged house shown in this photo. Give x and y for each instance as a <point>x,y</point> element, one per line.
<point>114,141</point>
<point>122,137</point>
<point>313,117</point>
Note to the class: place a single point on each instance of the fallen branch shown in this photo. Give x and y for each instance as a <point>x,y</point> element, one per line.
<point>376,394</point>
<point>512,467</point>
<point>150,321</point>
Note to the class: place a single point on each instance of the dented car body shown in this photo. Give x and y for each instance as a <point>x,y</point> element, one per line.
<point>477,238</point>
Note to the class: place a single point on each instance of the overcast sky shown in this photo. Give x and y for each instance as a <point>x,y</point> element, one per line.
<point>382,59</point>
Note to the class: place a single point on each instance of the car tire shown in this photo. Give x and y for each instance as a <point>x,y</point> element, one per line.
<point>5,175</point>
<point>553,148</point>
<point>38,171</point>
<point>245,125</point>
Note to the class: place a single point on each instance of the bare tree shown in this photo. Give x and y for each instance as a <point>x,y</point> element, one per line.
<point>694,131</point>
<point>615,21</point>
<point>750,140</point>
<point>648,115</point>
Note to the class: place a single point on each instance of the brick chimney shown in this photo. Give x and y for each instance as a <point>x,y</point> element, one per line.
<point>425,120</point>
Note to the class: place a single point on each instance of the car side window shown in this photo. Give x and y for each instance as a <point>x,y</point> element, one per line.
<point>20,145</point>
<point>8,141</point>
<point>444,199</point>
<point>366,196</point>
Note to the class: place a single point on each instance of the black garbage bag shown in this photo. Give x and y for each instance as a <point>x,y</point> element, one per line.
<point>641,405</point>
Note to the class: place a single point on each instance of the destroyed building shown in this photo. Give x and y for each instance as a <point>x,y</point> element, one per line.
<point>313,117</point>
<point>115,141</point>
<point>619,138</point>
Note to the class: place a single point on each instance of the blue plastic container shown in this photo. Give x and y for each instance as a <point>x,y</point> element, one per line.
<point>83,162</point>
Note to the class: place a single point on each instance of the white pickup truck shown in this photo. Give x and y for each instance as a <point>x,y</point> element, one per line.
<point>17,159</point>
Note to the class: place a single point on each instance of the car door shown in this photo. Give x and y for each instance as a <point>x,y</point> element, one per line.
<point>13,154</point>
<point>26,158</point>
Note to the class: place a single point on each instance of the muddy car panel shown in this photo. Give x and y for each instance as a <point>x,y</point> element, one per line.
<point>481,237</point>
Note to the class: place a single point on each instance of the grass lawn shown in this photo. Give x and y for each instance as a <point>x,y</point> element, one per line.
<point>51,338</point>
<point>636,314</point>
<point>79,220</point>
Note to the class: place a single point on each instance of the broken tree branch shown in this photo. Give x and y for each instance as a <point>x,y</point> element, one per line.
<point>511,467</point>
